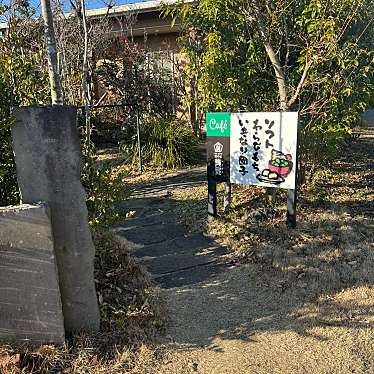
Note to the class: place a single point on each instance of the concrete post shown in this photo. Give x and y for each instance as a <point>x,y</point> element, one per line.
<point>47,153</point>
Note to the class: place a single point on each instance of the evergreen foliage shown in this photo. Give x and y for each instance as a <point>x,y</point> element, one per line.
<point>22,82</point>
<point>312,56</point>
<point>166,143</point>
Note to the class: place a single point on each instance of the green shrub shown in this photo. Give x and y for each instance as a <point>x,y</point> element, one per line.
<point>105,188</point>
<point>9,194</point>
<point>165,142</point>
<point>22,82</point>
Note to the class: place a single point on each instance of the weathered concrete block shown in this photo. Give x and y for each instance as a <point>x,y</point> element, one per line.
<point>47,152</point>
<point>367,119</point>
<point>30,303</point>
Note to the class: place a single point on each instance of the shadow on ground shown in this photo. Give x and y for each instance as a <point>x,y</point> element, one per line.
<point>303,302</point>
<point>325,255</point>
<point>172,255</point>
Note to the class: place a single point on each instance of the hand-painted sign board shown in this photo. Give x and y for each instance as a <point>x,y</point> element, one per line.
<point>263,149</point>
<point>253,148</point>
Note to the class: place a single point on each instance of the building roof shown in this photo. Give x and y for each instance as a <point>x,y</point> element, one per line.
<point>138,7</point>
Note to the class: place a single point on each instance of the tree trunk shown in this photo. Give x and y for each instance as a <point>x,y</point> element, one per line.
<point>278,69</point>
<point>85,87</point>
<point>50,41</point>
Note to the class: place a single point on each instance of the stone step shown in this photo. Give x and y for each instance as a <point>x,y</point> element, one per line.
<point>180,261</point>
<point>177,179</point>
<point>144,206</point>
<point>156,218</point>
<point>151,234</point>
<point>187,243</point>
<point>191,275</point>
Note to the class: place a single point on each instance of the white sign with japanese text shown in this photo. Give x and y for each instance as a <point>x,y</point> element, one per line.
<point>263,149</point>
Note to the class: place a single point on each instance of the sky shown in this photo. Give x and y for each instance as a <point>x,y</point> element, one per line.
<point>92,4</point>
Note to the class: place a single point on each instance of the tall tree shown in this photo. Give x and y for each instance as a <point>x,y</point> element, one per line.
<point>54,76</point>
<point>313,56</point>
<point>85,86</point>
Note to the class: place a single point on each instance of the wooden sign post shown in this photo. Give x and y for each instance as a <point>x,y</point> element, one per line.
<point>218,156</point>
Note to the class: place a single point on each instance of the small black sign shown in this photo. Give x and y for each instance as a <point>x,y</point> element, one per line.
<point>218,157</point>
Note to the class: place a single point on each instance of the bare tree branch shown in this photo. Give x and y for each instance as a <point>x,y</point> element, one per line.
<point>286,59</point>
<point>300,86</point>
<point>85,87</point>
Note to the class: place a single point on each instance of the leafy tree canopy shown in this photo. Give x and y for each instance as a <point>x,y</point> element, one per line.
<point>313,56</point>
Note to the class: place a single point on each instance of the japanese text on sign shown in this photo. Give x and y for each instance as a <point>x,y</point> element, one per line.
<point>263,149</point>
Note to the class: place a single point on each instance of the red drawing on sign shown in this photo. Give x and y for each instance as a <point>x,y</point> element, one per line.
<point>279,167</point>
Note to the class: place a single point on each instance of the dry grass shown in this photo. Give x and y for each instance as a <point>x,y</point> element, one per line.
<point>333,242</point>
<point>150,174</point>
<point>132,317</point>
<point>297,301</point>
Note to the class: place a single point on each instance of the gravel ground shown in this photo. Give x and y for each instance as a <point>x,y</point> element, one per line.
<point>244,323</point>
<point>300,302</point>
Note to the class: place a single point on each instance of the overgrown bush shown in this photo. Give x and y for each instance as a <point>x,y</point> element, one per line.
<point>105,188</point>
<point>8,182</point>
<point>9,194</point>
<point>165,143</point>
<point>22,82</point>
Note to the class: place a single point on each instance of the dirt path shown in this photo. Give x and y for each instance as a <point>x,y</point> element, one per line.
<point>243,323</point>
<point>255,318</point>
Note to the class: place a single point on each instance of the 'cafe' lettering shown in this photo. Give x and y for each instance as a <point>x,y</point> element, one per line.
<point>222,125</point>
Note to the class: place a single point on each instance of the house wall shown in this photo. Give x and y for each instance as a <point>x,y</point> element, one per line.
<point>154,33</point>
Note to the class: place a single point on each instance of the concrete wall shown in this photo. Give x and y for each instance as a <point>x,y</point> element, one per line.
<point>368,119</point>
<point>30,304</point>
